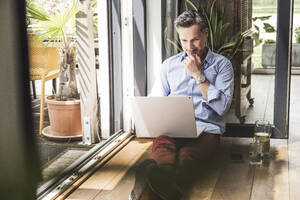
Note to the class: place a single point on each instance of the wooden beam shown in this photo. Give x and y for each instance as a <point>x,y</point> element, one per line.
<point>87,73</point>
<point>104,69</point>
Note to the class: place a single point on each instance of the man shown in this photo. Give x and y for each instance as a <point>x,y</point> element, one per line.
<point>208,78</point>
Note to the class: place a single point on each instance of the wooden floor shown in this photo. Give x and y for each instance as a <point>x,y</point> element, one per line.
<point>229,175</point>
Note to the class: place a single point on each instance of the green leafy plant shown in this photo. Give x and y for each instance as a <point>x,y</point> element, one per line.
<point>297,34</point>
<point>52,29</point>
<point>267,27</point>
<point>217,40</point>
<point>270,41</point>
<point>34,13</point>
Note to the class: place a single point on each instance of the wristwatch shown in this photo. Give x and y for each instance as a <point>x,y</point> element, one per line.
<point>200,79</point>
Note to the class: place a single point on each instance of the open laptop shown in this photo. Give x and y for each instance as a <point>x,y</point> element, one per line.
<point>171,116</point>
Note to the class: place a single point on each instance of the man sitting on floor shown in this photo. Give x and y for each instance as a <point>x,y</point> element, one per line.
<point>208,78</point>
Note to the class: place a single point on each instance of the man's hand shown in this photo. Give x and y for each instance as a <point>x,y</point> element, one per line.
<point>193,65</point>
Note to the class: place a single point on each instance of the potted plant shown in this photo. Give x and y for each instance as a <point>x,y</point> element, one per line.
<point>267,27</point>
<point>217,39</point>
<point>268,47</point>
<point>269,51</point>
<point>296,48</point>
<point>220,42</point>
<point>64,107</point>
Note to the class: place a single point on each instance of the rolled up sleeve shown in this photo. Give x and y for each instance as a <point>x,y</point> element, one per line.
<point>220,93</point>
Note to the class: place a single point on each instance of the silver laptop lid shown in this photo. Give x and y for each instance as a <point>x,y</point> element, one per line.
<point>172,116</point>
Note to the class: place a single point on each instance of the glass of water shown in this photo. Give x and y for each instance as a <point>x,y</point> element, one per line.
<point>255,153</point>
<point>262,134</point>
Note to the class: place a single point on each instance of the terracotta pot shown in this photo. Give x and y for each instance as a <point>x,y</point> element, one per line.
<point>65,117</point>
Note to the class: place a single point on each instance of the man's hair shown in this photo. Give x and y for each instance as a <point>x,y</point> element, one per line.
<point>190,18</point>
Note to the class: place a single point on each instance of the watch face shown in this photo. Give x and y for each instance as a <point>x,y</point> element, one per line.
<point>201,79</point>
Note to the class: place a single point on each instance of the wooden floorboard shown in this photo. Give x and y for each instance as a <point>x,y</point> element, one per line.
<point>112,173</point>
<point>294,140</point>
<point>228,177</point>
<point>204,186</point>
<point>294,168</point>
<point>124,187</point>
<point>271,180</point>
<point>235,180</point>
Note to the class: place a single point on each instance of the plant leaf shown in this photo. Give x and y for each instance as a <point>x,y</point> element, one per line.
<point>36,13</point>
<point>210,39</point>
<point>175,45</point>
<point>262,18</point>
<point>53,28</point>
<point>191,4</point>
<point>269,28</point>
<point>212,8</point>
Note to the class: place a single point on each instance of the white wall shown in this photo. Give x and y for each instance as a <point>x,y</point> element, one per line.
<point>153,8</point>
<point>127,62</point>
<point>103,73</point>
<point>154,40</point>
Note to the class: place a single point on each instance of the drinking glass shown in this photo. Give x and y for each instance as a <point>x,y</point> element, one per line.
<point>262,134</point>
<point>255,153</point>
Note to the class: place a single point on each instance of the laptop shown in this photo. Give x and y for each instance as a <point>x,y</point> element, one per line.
<point>171,116</point>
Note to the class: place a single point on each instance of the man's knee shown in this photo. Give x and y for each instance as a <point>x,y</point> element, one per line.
<point>163,141</point>
<point>164,150</point>
<point>200,149</point>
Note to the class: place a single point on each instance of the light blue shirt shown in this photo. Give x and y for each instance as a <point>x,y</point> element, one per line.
<point>176,81</point>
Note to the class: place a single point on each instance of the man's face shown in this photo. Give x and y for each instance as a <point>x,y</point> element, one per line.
<point>192,39</point>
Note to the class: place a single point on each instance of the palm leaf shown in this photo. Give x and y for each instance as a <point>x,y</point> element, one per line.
<point>256,27</point>
<point>214,21</point>
<point>53,29</point>
<point>262,18</point>
<point>174,45</point>
<point>269,28</point>
<point>212,7</point>
<point>225,47</point>
<point>192,5</point>
<point>210,39</point>
<point>186,8</point>
<point>238,43</point>
<point>165,39</point>
<point>35,13</point>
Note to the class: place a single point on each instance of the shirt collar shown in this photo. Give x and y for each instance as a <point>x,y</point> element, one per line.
<point>209,56</point>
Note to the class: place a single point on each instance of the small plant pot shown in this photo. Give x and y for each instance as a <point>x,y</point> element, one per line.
<point>268,55</point>
<point>65,118</point>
